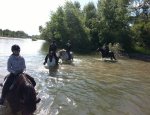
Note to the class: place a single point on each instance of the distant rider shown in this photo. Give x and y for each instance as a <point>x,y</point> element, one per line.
<point>68,49</point>
<point>106,49</point>
<point>53,49</point>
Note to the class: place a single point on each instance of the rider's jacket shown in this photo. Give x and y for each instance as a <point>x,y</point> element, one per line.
<point>16,64</point>
<point>68,47</point>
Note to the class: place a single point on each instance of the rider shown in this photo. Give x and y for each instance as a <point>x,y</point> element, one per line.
<point>68,49</point>
<point>106,49</point>
<point>53,49</point>
<point>15,65</point>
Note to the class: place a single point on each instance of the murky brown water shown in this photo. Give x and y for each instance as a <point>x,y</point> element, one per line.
<point>89,86</point>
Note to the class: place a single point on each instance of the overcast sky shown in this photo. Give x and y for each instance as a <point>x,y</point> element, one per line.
<point>28,15</point>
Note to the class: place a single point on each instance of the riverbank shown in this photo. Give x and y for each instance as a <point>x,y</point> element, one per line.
<point>137,56</point>
<point>14,37</point>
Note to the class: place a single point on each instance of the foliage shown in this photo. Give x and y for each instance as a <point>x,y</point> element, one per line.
<point>9,33</point>
<point>112,21</point>
<point>113,26</point>
<point>142,34</point>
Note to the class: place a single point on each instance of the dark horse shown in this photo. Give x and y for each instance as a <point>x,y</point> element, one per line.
<point>22,98</point>
<point>105,54</point>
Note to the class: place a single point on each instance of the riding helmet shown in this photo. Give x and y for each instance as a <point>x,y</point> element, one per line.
<point>15,48</point>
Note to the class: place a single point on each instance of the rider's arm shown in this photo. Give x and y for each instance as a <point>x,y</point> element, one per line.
<point>9,65</point>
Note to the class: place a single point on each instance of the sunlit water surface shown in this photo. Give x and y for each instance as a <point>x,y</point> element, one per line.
<point>89,86</point>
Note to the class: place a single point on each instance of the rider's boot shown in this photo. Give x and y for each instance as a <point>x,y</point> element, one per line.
<point>4,93</point>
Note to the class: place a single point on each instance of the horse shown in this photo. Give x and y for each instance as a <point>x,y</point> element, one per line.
<point>22,97</point>
<point>110,54</point>
<point>51,65</point>
<point>63,55</point>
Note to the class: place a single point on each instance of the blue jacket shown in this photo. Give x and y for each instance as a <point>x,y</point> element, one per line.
<point>16,64</point>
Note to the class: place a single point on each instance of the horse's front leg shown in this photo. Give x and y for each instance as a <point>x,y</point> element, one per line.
<point>113,56</point>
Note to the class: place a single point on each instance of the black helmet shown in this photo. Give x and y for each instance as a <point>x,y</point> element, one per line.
<point>15,48</point>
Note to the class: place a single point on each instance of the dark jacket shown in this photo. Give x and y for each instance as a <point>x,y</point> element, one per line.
<point>68,47</point>
<point>53,47</point>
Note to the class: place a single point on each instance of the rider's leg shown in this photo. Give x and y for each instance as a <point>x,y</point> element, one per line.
<point>51,57</point>
<point>6,87</point>
<point>69,55</point>
<point>46,58</point>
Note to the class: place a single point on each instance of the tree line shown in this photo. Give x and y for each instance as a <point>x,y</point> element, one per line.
<point>16,34</point>
<point>125,22</point>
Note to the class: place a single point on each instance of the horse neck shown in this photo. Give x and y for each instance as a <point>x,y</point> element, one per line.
<point>101,50</point>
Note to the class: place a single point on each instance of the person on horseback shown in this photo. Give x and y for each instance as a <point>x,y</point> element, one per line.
<point>106,49</point>
<point>53,49</point>
<point>68,49</point>
<point>16,66</point>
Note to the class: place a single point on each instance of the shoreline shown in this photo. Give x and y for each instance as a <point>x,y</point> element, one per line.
<point>137,56</point>
<point>1,37</point>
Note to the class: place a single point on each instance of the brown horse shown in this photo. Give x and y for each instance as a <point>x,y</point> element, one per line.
<point>22,98</point>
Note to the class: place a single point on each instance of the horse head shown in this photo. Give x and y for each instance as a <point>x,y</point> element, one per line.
<point>23,96</point>
<point>101,50</point>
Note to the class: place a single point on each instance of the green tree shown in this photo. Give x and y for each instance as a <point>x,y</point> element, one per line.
<point>75,28</point>
<point>91,22</point>
<point>1,32</point>
<point>113,24</point>
<point>141,22</point>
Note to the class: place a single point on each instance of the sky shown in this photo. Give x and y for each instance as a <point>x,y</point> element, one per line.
<point>28,15</point>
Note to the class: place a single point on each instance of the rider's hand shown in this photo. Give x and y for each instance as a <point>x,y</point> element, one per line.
<point>44,63</point>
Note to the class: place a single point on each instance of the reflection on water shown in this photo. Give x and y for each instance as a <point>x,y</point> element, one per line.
<point>87,87</point>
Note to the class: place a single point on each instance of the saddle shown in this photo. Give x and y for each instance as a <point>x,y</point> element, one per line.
<point>15,80</point>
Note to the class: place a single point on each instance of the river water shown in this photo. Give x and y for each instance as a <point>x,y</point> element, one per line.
<point>89,86</point>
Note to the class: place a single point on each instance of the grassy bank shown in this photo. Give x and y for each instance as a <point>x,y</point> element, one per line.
<point>142,50</point>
